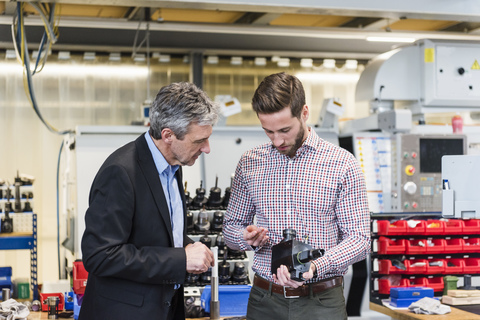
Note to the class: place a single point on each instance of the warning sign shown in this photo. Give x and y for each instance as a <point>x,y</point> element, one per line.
<point>476,65</point>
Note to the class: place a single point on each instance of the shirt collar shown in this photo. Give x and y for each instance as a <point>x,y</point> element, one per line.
<point>160,163</point>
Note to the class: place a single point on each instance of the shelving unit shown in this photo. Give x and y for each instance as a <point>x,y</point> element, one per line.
<point>24,235</point>
<point>24,241</point>
<point>420,250</point>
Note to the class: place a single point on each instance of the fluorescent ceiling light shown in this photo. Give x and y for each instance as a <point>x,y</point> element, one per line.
<point>164,58</point>
<point>351,64</point>
<point>64,55</point>
<point>114,56</point>
<point>283,62</point>
<point>306,63</point>
<point>329,63</point>
<point>236,61</point>
<point>212,59</point>
<point>391,39</point>
<point>89,56</point>
<point>260,61</point>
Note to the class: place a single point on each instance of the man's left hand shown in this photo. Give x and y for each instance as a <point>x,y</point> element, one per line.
<point>283,276</point>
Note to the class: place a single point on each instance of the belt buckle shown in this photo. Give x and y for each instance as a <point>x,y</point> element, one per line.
<point>288,297</point>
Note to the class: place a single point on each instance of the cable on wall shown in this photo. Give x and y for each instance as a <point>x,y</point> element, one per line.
<point>50,36</point>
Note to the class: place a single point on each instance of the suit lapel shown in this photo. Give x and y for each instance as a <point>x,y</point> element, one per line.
<point>150,173</point>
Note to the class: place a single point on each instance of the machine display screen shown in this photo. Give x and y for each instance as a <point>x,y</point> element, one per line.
<point>432,150</point>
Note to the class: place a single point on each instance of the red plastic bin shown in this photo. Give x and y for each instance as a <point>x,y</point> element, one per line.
<point>436,269</point>
<point>471,245</point>
<point>416,269</point>
<point>389,246</point>
<point>472,265</point>
<point>436,283</point>
<point>385,227</point>
<point>471,226</point>
<point>418,229</point>
<point>435,246</point>
<point>416,246</point>
<point>384,285</point>
<point>417,282</point>
<point>453,226</point>
<point>80,276</point>
<point>434,227</point>
<point>454,266</point>
<point>386,267</point>
<point>44,300</point>
<point>454,245</point>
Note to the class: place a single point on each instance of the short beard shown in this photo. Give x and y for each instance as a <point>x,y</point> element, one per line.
<point>298,141</point>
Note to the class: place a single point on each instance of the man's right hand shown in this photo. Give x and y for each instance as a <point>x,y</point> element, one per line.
<point>255,236</point>
<point>199,258</point>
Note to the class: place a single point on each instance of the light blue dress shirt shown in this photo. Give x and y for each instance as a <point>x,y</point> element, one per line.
<point>166,173</point>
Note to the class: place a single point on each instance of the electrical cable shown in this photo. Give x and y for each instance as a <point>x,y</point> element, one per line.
<point>58,209</point>
<point>21,48</point>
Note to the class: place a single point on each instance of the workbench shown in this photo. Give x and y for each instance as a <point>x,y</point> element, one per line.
<point>456,314</point>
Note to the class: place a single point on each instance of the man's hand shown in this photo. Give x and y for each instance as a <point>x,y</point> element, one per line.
<point>283,276</point>
<point>255,236</point>
<point>199,258</point>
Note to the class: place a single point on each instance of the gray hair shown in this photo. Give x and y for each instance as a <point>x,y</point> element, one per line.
<point>177,106</point>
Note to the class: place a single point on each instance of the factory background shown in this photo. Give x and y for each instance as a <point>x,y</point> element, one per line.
<point>104,76</point>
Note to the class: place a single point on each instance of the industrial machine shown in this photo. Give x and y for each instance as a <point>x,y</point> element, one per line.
<point>460,176</point>
<point>417,174</point>
<point>428,76</point>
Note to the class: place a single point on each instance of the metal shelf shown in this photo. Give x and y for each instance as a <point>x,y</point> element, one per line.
<point>22,241</point>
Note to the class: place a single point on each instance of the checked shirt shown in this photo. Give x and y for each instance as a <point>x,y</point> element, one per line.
<point>320,193</point>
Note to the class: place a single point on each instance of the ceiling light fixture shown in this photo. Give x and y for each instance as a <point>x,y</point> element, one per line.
<point>64,55</point>
<point>260,61</point>
<point>114,56</point>
<point>391,39</point>
<point>236,61</point>
<point>306,63</point>
<point>329,63</point>
<point>139,58</point>
<point>351,64</point>
<point>212,59</point>
<point>283,62</point>
<point>164,58</point>
<point>89,56</point>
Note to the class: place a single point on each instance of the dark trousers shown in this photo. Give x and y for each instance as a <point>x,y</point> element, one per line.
<point>264,305</point>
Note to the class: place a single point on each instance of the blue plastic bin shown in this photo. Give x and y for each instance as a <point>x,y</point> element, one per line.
<point>233,299</point>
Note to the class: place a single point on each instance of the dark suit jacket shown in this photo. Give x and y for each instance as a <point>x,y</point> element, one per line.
<point>128,246</point>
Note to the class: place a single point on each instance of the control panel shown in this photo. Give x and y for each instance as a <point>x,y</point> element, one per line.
<point>417,165</point>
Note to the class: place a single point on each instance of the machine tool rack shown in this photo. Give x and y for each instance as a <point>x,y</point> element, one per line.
<point>429,251</point>
<point>24,241</point>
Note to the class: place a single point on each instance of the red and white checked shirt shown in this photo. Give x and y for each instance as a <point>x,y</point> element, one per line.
<point>320,193</point>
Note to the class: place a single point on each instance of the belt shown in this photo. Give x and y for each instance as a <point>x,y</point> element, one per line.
<point>301,291</point>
